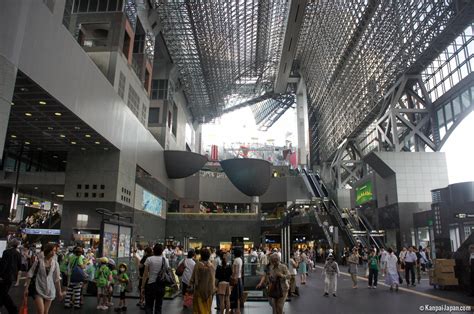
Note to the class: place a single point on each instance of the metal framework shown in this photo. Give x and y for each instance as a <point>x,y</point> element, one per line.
<point>348,52</point>
<point>226,51</point>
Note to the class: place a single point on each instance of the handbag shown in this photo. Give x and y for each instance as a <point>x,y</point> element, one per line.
<point>77,273</point>
<point>24,306</point>
<point>181,268</point>
<point>165,275</point>
<point>188,300</point>
<point>275,290</point>
<point>234,281</point>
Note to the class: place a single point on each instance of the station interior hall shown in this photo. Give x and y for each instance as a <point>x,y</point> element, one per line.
<point>330,140</point>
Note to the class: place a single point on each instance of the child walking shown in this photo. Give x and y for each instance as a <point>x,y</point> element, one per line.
<point>123,280</point>
<point>103,278</point>
<point>331,272</point>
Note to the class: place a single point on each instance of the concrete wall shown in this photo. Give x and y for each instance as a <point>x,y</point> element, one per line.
<point>37,43</point>
<point>417,174</point>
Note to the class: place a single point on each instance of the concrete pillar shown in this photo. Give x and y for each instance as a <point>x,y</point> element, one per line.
<point>302,123</point>
<point>7,85</point>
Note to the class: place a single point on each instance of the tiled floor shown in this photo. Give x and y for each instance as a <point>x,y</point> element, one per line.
<point>361,300</point>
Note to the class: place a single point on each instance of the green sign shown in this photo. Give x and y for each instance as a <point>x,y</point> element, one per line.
<point>364,193</point>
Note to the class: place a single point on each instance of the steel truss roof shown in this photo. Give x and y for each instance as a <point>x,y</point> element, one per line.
<point>351,52</point>
<point>226,51</point>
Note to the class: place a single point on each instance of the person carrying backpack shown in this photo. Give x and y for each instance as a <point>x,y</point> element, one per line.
<point>103,276</point>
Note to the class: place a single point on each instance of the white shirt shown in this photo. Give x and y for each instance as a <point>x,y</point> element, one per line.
<point>45,283</point>
<point>384,256</point>
<point>154,266</point>
<point>238,262</point>
<point>189,264</point>
<point>402,255</point>
<point>410,257</point>
<point>140,254</point>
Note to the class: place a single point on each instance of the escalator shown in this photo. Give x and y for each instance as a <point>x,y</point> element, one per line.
<point>316,214</point>
<point>328,206</point>
<point>355,228</point>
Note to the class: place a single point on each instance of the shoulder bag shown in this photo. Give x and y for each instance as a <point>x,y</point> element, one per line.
<point>165,275</point>
<point>181,268</point>
<point>77,273</point>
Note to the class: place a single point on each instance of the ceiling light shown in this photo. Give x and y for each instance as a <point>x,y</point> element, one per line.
<point>13,104</point>
<point>53,192</point>
<point>64,161</point>
<point>28,114</point>
<point>60,195</point>
<point>83,148</point>
<point>27,143</point>
<point>77,127</point>
<point>62,135</point>
<point>42,102</point>
<point>39,148</point>
<point>97,142</point>
<point>87,135</point>
<point>106,148</point>
<point>36,187</point>
<point>73,143</point>
<point>58,114</point>
<point>55,156</point>
<point>13,136</point>
<point>24,89</point>
<point>50,128</point>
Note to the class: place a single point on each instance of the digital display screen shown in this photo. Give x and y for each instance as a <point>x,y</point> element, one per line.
<point>364,193</point>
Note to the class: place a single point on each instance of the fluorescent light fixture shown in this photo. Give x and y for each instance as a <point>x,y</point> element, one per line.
<point>27,143</point>
<point>60,195</point>
<point>97,142</point>
<point>28,114</point>
<point>13,136</point>
<point>41,102</point>
<point>58,114</point>
<point>62,135</point>
<point>73,143</point>
<point>87,135</point>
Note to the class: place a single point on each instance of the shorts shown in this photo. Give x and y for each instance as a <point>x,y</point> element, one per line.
<point>102,290</point>
<point>223,288</point>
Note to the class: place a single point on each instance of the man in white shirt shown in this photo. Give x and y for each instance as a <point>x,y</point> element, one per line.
<point>410,260</point>
<point>237,276</point>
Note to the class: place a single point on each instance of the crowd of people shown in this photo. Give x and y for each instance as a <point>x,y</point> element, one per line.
<point>51,273</point>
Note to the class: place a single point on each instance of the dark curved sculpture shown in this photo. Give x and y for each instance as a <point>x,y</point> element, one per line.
<point>250,176</point>
<point>181,164</point>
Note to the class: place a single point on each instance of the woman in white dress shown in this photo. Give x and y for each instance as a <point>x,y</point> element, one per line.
<point>391,270</point>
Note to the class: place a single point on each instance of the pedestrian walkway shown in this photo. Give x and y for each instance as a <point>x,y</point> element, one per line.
<point>311,300</point>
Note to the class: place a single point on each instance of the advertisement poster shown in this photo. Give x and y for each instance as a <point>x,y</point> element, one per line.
<point>107,243</point>
<point>151,203</point>
<point>364,193</point>
<point>127,245</point>
<point>121,249</point>
<point>110,240</point>
<point>114,246</point>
